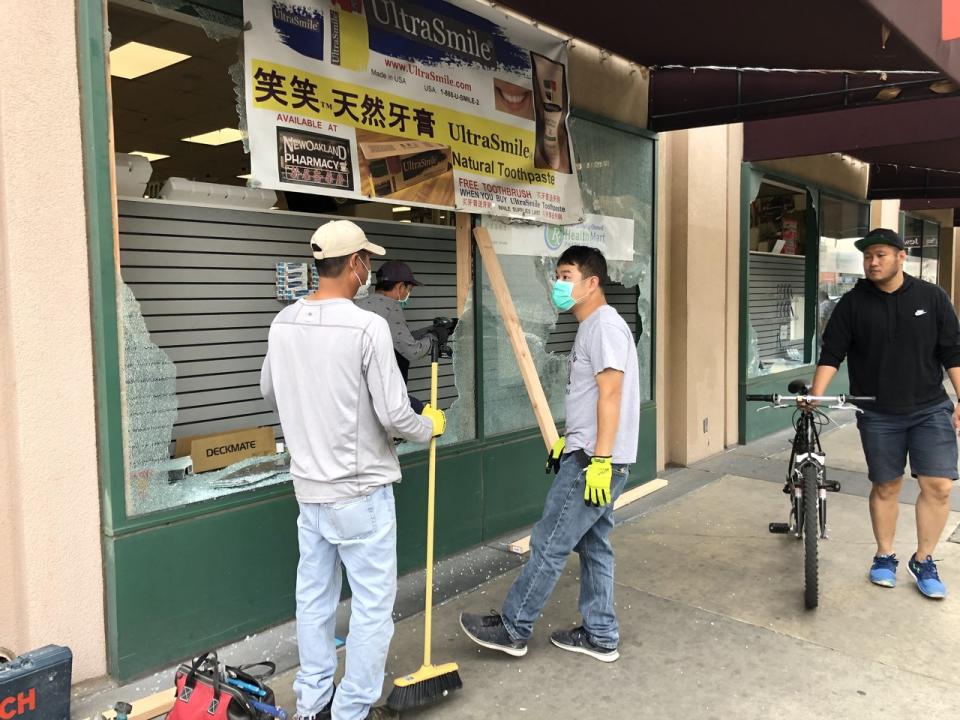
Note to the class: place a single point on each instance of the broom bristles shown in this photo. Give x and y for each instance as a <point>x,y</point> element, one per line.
<point>424,692</point>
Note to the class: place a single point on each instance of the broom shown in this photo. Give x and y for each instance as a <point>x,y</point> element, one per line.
<point>430,682</point>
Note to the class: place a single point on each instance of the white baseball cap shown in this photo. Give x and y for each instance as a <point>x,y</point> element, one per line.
<point>341,237</point>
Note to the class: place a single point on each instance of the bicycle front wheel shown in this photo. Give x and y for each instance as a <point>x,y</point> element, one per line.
<point>811,534</point>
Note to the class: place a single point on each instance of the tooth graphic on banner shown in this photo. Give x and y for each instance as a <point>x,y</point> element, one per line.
<point>446,104</point>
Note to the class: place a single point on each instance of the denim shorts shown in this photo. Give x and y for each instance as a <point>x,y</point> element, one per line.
<point>927,435</point>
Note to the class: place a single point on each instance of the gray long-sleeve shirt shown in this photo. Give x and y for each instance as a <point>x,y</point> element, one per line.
<point>331,374</point>
<point>403,340</point>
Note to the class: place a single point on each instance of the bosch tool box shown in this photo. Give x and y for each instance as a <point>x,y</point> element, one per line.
<point>36,685</point>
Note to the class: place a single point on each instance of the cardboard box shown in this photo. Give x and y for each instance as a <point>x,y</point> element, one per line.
<point>400,164</point>
<point>212,452</point>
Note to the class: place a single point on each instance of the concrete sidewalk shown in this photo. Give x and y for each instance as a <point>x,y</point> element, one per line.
<point>711,612</point>
<point>712,616</point>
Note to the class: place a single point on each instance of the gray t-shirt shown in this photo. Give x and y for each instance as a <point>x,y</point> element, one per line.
<point>603,341</point>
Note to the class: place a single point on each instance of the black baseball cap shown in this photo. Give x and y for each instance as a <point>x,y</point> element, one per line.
<point>880,236</point>
<point>396,271</point>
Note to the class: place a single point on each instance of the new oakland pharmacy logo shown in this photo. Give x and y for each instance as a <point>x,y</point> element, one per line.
<point>553,237</point>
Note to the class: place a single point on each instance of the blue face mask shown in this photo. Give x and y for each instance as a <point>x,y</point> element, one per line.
<point>563,294</point>
<point>403,303</point>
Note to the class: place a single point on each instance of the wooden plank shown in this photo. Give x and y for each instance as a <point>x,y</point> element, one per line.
<point>518,341</point>
<point>146,708</point>
<point>464,261</point>
<point>521,546</point>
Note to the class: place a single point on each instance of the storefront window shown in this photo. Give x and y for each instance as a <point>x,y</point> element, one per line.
<point>913,240</point>
<point>776,276</point>
<point>842,223</point>
<point>930,269</point>
<point>616,175</point>
<point>200,281</point>
<point>922,238</point>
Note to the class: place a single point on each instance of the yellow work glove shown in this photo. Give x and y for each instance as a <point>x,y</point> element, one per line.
<point>596,492</point>
<point>438,417</point>
<point>553,456</point>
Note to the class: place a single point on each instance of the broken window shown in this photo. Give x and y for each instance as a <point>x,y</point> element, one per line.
<point>616,174</point>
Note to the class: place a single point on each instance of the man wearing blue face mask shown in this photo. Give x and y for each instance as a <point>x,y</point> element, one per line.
<point>395,282</point>
<point>592,463</point>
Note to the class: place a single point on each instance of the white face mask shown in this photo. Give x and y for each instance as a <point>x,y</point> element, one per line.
<point>364,288</point>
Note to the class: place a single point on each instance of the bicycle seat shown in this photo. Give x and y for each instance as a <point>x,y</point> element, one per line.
<point>799,386</point>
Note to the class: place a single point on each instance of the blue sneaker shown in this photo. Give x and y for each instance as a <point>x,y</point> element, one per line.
<point>883,572</point>
<point>928,581</point>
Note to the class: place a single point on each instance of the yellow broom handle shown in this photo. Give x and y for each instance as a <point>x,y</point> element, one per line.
<point>431,493</point>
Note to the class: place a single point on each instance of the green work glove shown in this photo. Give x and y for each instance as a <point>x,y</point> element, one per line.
<point>596,492</point>
<point>553,456</point>
<point>438,417</point>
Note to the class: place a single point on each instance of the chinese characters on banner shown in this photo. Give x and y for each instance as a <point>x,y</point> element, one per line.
<point>422,103</point>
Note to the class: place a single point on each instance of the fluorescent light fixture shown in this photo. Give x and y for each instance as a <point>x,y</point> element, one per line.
<point>245,177</point>
<point>183,190</point>
<point>406,221</point>
<point>216,137</point>
<point>152,157</point>
<point>401,208</point>
<point>134,59</point>
<point>133,174</point>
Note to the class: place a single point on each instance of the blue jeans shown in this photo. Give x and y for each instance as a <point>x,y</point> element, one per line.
<point>567,525</point>
<point>362,534</point>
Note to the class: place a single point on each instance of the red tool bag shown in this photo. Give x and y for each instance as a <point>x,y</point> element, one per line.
<point>203,694</point>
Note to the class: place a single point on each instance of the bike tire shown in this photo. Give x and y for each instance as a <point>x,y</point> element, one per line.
<point>811,536</point>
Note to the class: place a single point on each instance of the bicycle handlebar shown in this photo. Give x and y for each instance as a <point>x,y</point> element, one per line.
<point>779,399</point>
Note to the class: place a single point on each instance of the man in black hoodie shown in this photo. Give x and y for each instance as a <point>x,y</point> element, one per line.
<point>898,333</point>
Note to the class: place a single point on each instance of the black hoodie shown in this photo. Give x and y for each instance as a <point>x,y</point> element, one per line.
<point>897,344</point>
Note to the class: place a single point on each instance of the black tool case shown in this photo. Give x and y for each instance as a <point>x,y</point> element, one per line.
<point>36,685</point>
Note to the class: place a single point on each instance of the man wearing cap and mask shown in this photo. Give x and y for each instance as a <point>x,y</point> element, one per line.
<point>898,334</point>
<point>332,377</point>
<point>395,282</point>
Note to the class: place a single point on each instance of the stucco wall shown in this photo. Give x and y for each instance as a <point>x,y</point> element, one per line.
<point>50,519</point>
<point>699,236</point>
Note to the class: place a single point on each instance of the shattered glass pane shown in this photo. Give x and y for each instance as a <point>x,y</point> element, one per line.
<point>461,415</point>
<point>248,474</point>
<point>217,24</point>
<point>506,402</point>
<point>616,176</point>
<point>755,366</point>
<point>239,94</point>
<point>150,402</point>
<point>149,396</point>
<point>616,179</point>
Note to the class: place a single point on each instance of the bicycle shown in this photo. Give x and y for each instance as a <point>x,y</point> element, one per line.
<point>806,481</point>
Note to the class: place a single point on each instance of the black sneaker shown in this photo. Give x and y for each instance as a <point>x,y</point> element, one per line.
<point>577,641</point>
<point>488,631</point>
<point>382,712</point>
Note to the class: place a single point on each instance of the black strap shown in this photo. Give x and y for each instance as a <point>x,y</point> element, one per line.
<point>196,665</point>
<point>270,666</point>
<point>201,665</point>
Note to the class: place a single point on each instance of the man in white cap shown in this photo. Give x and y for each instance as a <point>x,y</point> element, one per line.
<point>331,374</point>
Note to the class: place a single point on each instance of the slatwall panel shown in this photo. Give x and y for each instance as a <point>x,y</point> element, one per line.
<point>622,298</point>
<point>767,275</point>
<point>205,279</point>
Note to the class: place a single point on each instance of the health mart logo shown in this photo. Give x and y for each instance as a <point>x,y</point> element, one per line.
<point>422,25</point>
<point>553,236</point>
